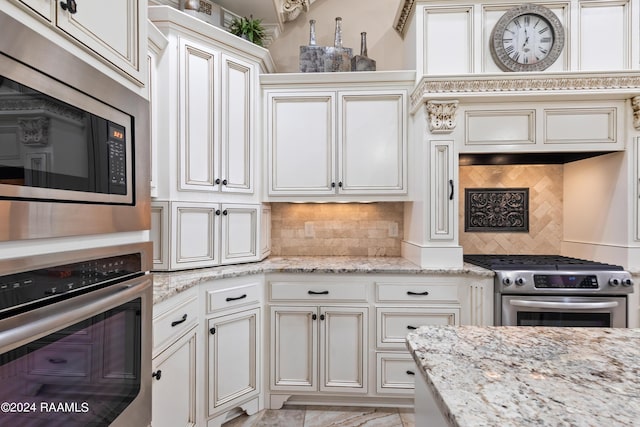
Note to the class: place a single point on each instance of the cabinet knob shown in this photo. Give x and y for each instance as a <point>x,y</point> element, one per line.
<point>418,293</point>
<point>340,184</point>
<point>322,317</point>
<point>333,185</point>
<point>411,328</point>
<point>217,211</point>
<point>212,331</point>
<point>157,374</point>
<point>224,212</point>
<point>224,182</point>
<point>217,181</point>
<point>451,188</point>
<point>69,5</point>
<point>410,373</point>
<point>314,317</point>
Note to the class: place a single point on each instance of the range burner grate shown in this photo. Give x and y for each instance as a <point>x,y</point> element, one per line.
<point>536,262</point>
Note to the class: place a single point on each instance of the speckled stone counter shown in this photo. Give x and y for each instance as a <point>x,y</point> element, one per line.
<point>525,376</point>
<point>167,284</point>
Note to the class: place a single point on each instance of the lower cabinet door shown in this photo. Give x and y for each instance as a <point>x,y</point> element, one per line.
<point>343,349</point>
<point>232,359</point>
<point>174,384</point>
<point>294,348</point>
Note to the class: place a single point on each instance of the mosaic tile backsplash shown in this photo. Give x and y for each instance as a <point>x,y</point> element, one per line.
<point>545,184</point>
<point>352,229</point>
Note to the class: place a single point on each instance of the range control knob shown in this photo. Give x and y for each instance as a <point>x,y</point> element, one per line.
<point>506,281</point>
<point>627,282</point>
<point>614,281</point>
<point>520,281</point>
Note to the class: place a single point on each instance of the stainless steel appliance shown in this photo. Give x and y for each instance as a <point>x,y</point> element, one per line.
<point>74,145</point>
<point>75,338</point>
<point>541,290</point>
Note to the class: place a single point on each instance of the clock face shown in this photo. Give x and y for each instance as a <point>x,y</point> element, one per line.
<point>527,38</point>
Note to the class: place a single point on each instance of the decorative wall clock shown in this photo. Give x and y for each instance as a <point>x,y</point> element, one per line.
<point>528,37</point>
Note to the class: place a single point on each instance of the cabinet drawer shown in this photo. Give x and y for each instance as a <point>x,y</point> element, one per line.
<point>394,323</point>
<point>169,325</point>
<point>396,373</point>
<point>416,292</point>
<point>234,296</point>
<point>318,291</point>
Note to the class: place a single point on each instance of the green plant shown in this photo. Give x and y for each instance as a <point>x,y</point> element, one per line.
<point>248,28</point>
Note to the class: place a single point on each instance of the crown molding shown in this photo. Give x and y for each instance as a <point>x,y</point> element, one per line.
<point>516,86</point>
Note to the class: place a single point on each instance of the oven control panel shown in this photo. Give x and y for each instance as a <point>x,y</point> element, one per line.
<point>555,282</point>
<point>565,281</point>
<point>56,282</point>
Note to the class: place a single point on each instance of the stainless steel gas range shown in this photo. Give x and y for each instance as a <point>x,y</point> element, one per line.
<point>550,290</point>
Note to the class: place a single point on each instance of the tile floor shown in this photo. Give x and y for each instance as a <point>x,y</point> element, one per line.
<point>327,416</point>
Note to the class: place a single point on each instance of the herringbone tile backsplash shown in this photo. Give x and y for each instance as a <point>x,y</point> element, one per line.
<point>545,208</point>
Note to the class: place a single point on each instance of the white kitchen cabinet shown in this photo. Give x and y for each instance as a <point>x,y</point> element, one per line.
<point>319,332</point>
<point>208,111</point>
<point>338,140</point>
<point>191,235</point>
<point>444,200</point>
<point>233,346</point>
<point>89,24</point>
<point>319,349</point>
<point>216,113</point>
<point>403,304</point>
<point>265,232</point>
<point>175,322</point>
<point>174,384</point>
<point>542,127</point>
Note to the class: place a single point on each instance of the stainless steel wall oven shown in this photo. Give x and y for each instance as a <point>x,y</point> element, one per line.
<point>75,341</point>
<point>74,145</point>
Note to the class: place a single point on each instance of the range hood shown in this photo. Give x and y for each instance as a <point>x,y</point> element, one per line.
<point>473,159</point>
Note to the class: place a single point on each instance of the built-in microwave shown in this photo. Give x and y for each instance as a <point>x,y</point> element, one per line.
<point>74,145</point>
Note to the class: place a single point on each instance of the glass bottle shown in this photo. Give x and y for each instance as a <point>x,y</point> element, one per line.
<point>312,32</point>
<point>338,39</point>
<point>363,44</point>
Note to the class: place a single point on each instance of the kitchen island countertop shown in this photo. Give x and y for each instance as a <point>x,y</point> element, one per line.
<point>524,376</point>
<point>167,284</point>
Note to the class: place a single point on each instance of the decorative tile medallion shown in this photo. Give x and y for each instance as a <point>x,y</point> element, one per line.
<point>496,210</point>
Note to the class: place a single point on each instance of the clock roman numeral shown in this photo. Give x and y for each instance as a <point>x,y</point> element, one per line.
<point>544,30</point>
<point>509,49</point>
<point>537,22</point>
<point>517,22</point>
<point>545,40</point>
<point>543,50</point>
<point>527,20</point>
<point>516,56</point>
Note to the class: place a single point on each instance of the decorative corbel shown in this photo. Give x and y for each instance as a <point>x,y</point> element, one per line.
<point>291,9</point>
<point>635,104</point>
<point>441,116</point>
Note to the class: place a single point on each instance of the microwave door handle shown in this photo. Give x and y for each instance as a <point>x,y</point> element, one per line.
<point>566,305</point>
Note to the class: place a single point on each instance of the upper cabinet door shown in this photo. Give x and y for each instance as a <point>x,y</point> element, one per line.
<point>301,135</point>
<point>111,29</point>
<point>238,81</point>
<point>372,142</point>
<point>199,133</point>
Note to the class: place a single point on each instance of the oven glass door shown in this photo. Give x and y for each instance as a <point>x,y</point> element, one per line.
<point>86,373</point>
<point>527,310</point>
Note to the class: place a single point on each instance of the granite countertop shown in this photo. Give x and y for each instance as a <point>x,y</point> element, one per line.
<point>524,376</point>
<point>167,284</point>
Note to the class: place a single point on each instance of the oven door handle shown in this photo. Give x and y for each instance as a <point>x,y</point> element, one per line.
<point>565,305</point>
